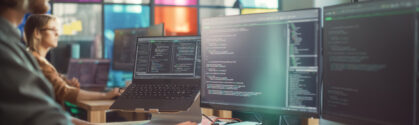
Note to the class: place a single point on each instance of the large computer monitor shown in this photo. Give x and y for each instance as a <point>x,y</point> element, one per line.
<point>61,55</point>
<point>124,45</point>
<point>262,62</point>
<point>370,63</point>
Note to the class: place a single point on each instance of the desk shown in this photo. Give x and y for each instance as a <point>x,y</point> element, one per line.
<point>96,112</point>
<point>218,113</point>
<point>125,123</point>
<point>96,109</point>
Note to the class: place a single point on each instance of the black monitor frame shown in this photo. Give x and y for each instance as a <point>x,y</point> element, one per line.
<point>348,119</point>
<point>270,111</point>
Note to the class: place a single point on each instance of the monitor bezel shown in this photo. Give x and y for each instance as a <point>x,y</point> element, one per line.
<point>276,111</point>
<point>348,120</point>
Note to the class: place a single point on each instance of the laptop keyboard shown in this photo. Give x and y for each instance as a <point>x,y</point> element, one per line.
<point>160,91</point>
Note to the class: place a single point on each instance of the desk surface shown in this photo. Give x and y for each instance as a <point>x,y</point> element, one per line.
<point>96,104</point>
<point>96,109</point>
<point>97,113</point>
<point>126,123</point>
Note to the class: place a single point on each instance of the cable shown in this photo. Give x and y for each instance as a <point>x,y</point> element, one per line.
<point>257,116</point>
<point>236,119</point>
<point>207,118</point>
<point>285,120</point>
<point>282,118</point>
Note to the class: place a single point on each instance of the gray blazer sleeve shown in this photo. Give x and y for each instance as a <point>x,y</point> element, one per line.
<point>26,97</point>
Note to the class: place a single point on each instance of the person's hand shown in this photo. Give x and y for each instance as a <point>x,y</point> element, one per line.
<point>187,123</point>
<point>122,90</point>
<point>127,83</point>
<point>75,83</point>
<point>114,93</point>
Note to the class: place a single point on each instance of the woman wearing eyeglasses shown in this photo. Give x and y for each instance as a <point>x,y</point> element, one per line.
<point>42,35</point>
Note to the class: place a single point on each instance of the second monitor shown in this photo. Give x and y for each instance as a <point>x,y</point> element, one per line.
<point>262,62</point>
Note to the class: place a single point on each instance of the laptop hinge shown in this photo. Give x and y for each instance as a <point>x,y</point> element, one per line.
<point>144,110</point>
<point>139,110</point>
<point>153,110</point>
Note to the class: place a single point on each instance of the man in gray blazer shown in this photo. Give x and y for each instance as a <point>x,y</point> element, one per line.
<point>26,96</point>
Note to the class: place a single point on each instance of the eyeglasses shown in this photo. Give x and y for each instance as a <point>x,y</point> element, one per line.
<point>52,29</point>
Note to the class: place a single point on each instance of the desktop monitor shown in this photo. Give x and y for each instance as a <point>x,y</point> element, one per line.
<point>262,62</point>
<point>124,45</point>
<point>91,73</point>
<point>370,63</point>
<point>60,56</point>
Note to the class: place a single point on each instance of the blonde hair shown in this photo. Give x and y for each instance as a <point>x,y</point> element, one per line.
<point>35,22</point>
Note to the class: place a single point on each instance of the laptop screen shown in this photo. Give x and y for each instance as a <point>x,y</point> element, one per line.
<point>89,72</point>
<point>168,58</point>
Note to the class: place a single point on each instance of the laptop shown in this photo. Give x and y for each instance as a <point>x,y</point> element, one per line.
<point>166,78</point>
<point>91,73</point>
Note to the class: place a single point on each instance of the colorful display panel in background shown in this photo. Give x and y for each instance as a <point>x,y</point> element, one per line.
<point>178,21</point>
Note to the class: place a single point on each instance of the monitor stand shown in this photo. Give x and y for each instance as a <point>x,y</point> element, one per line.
<point>168,118</point>
<point>246,123</point>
